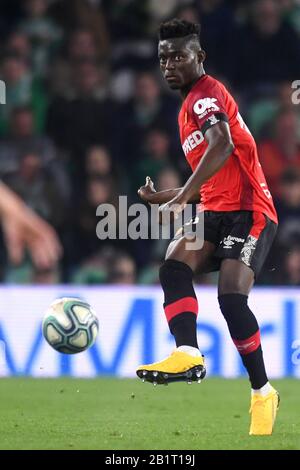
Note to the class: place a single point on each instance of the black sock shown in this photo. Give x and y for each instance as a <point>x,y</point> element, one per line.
<point>181,306</point>
<point>184,329</point>
<point>244,331</point>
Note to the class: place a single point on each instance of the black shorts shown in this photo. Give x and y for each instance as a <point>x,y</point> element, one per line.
<point>243,235</point>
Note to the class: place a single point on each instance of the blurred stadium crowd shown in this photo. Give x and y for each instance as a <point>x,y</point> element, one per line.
<point>88,117</point>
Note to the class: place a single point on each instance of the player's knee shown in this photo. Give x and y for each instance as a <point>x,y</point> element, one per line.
<point>227,301</point>
<point>240,320</point>
<point>233,304</point>
<point>230,286</point>
<point>175,275</point>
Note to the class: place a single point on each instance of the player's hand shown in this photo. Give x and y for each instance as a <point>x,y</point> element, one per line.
<point>171,210</point>
<point>25,229</point>
<point>145,192</point>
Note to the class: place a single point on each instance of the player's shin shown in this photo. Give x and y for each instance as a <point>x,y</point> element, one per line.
<point>244,331</point>
<point>181,306</point>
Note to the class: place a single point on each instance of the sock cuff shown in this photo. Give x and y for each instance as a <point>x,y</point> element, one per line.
<point>186,304</point>
<point>248,345</point>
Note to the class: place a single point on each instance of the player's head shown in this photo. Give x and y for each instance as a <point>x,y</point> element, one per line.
<point>180,54</point>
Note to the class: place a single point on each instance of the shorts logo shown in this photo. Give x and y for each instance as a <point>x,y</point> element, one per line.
<point>204,106</point>
<point>229,241</point>
<point>248,250</point>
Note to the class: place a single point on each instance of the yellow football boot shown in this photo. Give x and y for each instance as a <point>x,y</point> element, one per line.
<point>263,413</point>
<point>179,366</point>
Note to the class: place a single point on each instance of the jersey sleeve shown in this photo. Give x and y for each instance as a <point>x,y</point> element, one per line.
<point>209,108</point>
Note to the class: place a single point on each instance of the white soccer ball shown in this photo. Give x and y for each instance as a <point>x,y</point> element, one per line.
<point>70,325</point>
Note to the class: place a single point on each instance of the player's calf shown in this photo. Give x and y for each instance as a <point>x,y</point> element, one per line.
<point>180,303</point>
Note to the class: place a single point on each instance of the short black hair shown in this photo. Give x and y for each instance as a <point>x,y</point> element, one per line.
<point>176,28</point>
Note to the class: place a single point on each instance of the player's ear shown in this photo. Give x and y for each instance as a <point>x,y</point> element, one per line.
<point>201,56</point>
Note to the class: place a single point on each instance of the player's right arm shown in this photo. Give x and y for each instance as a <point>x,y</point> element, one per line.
<point>150,195</point>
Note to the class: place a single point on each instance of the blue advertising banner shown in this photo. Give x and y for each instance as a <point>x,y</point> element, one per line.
<point>133,331</point>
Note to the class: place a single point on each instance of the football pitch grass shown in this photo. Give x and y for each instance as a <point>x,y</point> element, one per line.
<point>117,414</point>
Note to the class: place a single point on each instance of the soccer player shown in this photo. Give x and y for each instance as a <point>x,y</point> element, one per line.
<point>240,221</point>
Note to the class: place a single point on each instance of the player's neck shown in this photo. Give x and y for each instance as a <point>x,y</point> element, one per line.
<point>185,91</point>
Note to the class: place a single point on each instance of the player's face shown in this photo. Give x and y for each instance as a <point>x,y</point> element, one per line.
<point>179,62</point>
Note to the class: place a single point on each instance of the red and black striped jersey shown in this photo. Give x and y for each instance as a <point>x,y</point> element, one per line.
<point>240,184</point>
